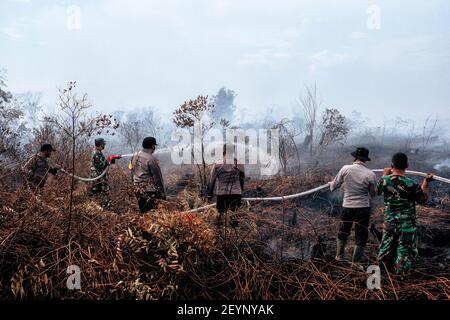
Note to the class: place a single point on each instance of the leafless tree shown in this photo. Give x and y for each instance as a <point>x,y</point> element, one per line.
<point>190,113</point>
<point>75,123</point>
<point>310,104</point>
<point>428,130</point>
<point>410,135</point>
<point>287,146</point>
<point>137,126</point>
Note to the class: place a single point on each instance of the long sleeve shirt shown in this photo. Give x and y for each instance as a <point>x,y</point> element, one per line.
<point>146,172</point>
<point>37,169</point>
<point>226,179</point>
<point>358,183</point>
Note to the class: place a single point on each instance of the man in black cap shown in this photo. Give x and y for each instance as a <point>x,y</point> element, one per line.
<point>147,177</point>
<point>227,182</point>
<point>37,167</point>
<point>359,184</point>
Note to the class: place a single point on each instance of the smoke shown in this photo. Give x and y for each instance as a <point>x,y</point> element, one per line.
<point>443,165</point>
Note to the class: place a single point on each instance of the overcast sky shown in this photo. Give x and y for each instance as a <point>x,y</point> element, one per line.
<point>135,53</point>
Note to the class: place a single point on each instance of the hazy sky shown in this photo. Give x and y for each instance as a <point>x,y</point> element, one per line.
<point>135,53</point>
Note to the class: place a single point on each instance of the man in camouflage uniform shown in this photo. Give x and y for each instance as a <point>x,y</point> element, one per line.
<point>37,167</point>
<point>101,186</point>
<point>398,249</point>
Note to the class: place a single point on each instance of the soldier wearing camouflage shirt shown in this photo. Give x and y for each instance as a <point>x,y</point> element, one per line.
<point>99,165</point>
<point>398,249</point>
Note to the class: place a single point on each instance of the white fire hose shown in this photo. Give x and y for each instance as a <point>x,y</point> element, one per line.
<point>280,198</point>
<point>311,191</point>
<point>129,155</point>
<point>85,179</point>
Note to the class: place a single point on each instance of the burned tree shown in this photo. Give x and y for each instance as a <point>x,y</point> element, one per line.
<point>190,114</point>
<point>310,104</point>
<point>75,123</point>
<point>224,106</point>
<point>138,125</point>
<point>428,131</point>
<point>287,147</point>
<point>334,128</point>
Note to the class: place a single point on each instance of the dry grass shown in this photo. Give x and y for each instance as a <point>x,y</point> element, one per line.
<point>174,255</point>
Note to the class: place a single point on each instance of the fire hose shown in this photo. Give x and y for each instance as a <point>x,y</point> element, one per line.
<point>111,160</point>
<point>114,157</point>
<point>86,179</point>
<point>279,198</point>
<point>312,191</point>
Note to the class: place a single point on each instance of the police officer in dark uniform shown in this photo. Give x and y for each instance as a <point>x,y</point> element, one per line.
<point>37,167</point>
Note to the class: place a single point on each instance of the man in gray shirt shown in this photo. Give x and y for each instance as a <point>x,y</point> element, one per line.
<point>227,182</point>
<point>147,177</point>
<point>358,183</point>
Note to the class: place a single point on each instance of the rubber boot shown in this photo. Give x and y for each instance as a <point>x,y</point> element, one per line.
<point>357,254</point>
<point>340,250</point>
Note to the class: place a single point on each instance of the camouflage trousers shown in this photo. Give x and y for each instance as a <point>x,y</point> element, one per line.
<point>101,190</point>
<point>398,248</point>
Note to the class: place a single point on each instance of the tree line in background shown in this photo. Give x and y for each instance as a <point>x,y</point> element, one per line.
<point>314,129</point>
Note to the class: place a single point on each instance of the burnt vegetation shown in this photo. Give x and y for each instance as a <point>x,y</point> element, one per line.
<point>280,250</point>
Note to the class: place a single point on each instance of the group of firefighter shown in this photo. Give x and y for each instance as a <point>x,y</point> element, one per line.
<point>398,247</point>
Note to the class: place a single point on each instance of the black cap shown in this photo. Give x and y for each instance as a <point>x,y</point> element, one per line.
<point>99,142</point>
<point>361,154</point>
<point>47,147</point>
<point>149,142</point>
